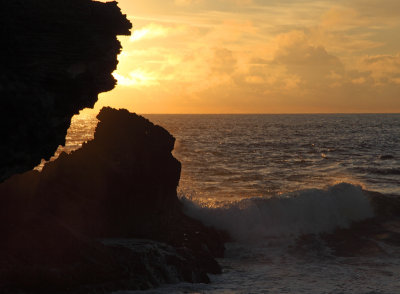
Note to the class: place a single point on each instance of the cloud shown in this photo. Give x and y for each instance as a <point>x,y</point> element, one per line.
<point>342,18</point>
<point>383,69</point>
<point>261,56</point>
<point>313,64</point>
<point>223,61</point>
<point>187,2</point>
<point>385,11</point>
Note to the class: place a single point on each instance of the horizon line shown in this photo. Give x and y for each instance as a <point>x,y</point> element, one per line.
<point>267,113</point>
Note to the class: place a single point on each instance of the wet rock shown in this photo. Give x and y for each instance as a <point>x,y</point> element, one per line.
<point>385,206</point>
<point>364,238</point>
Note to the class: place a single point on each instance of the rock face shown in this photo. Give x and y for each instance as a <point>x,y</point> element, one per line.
<point>57,57</point>
<point>377,236</point>
<point>122,184</point>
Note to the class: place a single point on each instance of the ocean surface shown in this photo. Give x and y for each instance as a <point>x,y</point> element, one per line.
<point>270,179</point>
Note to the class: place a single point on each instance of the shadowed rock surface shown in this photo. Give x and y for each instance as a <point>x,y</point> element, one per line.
<point>370,237</point>
<point>56,57</point>
<point>122,184</point>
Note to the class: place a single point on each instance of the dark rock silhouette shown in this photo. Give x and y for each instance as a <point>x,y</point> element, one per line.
<point>364,238</point>
<point>57,56</point>
<point>122,184</point>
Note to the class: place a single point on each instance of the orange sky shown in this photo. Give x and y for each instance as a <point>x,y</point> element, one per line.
<point>259,56</point>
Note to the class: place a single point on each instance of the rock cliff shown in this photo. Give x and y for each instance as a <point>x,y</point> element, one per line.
<point>122,184</point>
<point>56,57</point>
<point>74,227</point>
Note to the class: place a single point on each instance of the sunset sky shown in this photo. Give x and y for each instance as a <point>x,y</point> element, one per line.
<point>259,56</point>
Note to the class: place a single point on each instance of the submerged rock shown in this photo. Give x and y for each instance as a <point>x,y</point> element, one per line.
<point>122,184</point>
<point>57,56</point>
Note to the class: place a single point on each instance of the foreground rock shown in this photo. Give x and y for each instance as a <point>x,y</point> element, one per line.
<point>377,236</point>
<point>57,56</point>
<point>122,184</point>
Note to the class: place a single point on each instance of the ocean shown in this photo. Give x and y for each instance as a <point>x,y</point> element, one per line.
<point>271,179</point>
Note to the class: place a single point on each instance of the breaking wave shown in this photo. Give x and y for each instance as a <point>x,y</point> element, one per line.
<point>302,212</point>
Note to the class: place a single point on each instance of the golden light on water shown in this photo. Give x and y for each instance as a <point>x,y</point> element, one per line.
<point>350,180</point>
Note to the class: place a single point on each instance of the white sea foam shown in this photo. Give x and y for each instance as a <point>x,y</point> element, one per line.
<point>303,212</point>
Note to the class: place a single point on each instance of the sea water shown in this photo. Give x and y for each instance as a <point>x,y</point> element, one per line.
<point>268,179</point>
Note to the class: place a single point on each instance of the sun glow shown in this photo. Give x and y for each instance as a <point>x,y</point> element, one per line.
<point>151,31</point>
<point>139,34</point>
<point>247,56</point>
<point>136,78</point>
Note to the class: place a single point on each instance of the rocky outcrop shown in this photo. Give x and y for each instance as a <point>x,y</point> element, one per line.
<point>370,237</point>
<point>122,184</point>
<point>57,56</point>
